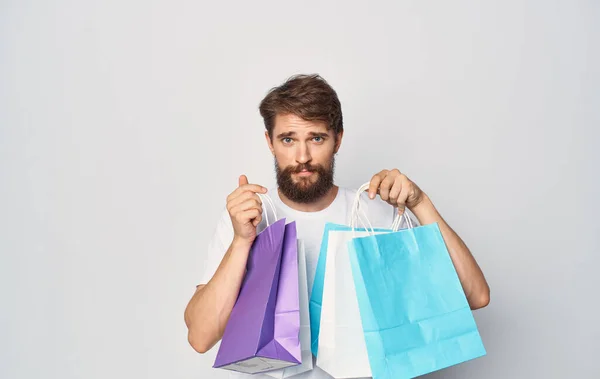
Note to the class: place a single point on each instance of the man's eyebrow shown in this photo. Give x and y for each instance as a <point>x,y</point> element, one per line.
<point>286,135</point>
<point>292,134</point>
<point>319,134</point>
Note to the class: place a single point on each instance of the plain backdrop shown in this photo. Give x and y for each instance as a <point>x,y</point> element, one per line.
<point>124,126</point>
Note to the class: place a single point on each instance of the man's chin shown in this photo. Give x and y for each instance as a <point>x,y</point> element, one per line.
<point>304,183</point>
<point>303,187</point>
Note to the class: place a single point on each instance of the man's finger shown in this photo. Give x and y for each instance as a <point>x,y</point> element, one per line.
<point>245,205</point>
<point>256,188</point>
<point>385,187</point>
<point>374,185</point>
<point>244,196</point>
<point>402,197</point>
<point>396,188</point>
<point>247,215</point>
<point>242,180</point>
<point>246,187</point>
<point>401,209</point>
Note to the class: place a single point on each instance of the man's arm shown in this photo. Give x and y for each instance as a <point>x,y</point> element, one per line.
<point>208,311</point>
<point>471,277</point>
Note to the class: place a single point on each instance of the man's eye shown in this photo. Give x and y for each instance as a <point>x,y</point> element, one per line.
<point>287,140</point>
<point>318,139</point>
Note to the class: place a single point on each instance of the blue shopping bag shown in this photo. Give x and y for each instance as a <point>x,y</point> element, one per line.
<point>415,315</point>
<point>316,296</point>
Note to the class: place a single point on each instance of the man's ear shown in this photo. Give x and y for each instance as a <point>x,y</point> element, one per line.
<point>269,143</point>
<point>338,141</point>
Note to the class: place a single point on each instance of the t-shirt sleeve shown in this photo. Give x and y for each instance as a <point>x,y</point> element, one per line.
<point>217,246</point>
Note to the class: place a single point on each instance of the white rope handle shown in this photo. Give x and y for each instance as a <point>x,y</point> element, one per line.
<point>360,216</point>
<point>357,212</point>
<point>398,221</point>
<point>266,199</point>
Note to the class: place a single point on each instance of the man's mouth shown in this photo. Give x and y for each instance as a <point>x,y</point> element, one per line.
<point>304,173</point>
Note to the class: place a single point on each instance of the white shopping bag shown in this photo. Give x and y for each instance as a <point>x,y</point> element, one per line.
<point>307,362</point>
<point>342,348</point>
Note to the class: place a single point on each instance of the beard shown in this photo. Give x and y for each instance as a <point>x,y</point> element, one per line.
<point>304,190</point>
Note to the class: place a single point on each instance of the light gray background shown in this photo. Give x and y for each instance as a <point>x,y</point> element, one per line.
<point>124,125</point>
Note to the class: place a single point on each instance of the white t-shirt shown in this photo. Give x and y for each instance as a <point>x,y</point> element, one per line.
<point>309,226</point>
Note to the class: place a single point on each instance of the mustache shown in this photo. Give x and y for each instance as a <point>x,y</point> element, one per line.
<point>305,166</point>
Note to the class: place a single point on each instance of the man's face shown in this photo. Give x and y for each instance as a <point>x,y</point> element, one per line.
<point>304,157</point>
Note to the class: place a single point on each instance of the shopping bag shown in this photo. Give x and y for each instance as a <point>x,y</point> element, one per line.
<point>316,296</point>
<point>300,287</point>
<point>342,352</point>
<point>258,336</point>
<point>415,315</point>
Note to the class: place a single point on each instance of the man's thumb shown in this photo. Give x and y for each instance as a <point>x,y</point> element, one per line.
<point>243,180</point>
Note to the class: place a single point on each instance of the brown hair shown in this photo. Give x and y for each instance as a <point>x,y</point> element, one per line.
<point>307,96</point>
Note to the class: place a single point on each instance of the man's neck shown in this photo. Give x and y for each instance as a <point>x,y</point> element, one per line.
<point>315,206</point>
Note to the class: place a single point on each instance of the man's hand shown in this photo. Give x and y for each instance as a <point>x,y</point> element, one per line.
<point>245,209</point>
<point>396,189</point>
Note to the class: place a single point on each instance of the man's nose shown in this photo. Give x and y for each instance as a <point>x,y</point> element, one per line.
<point>303,154</point>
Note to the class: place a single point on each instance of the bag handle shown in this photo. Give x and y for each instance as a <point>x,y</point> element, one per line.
<point>357,213</point>
<point>266,199</point>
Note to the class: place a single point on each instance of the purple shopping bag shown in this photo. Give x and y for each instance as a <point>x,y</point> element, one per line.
<point>262,333</point>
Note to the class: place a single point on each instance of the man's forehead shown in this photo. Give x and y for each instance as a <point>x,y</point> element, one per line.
<point>291,123</point>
